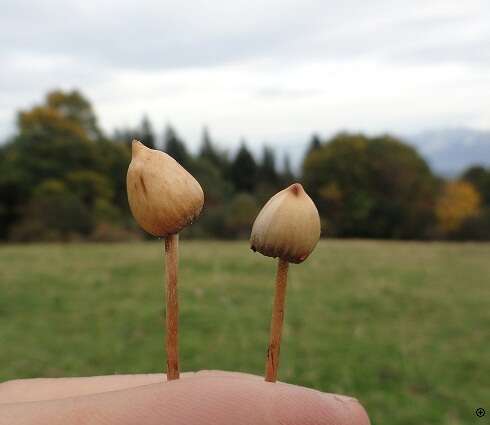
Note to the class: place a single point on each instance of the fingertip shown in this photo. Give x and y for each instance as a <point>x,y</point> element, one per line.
<point>350,406</point>
<point>293,405</point>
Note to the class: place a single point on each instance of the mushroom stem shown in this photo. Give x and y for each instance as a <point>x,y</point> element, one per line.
<point>272,362</point>
<point>172,304</point>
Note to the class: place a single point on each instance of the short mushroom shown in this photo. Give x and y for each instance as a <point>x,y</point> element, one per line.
<point>287,227</point>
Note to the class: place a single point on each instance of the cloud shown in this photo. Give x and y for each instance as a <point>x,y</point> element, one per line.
<point>167,34</point>
<point>266,70</point>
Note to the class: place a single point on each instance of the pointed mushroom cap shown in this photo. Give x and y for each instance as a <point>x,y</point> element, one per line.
<point>163,196</point>
<point>288,226</point>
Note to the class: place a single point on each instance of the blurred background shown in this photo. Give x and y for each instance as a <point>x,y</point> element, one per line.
<point>380,109</point>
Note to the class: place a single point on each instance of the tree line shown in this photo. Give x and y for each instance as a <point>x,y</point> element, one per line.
<point>63,179</point>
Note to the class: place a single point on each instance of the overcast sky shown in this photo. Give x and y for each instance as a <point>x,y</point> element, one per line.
<point>269,71</point>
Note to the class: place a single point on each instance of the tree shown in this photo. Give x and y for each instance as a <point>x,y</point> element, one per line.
<point>267,172</point>
<point>477,226</point>
<point>244,170</point>
<point>479,177</point>
<point>287,176</point>
<point>217,190</point>
<point>52,213</point>
<point>74,107</point>
<point>315,144</point>
<point>212,155</point>
<point>207,150</point>
<point>474,227</point>
<point>113,162</point>
<point>58,141</point>
<point>175,147</point>
<point>13,189</point>
<point>89,187</point>
<point>147,136</point>
<point>371,187</point>
<point>242,211</point>
<point>52,139</point>
<point>458,202</point>
<point>125,136</point>
<point>144,133</point>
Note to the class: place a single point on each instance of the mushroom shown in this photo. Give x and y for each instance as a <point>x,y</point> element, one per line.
<point>287,227</point>
<point>164,198</point>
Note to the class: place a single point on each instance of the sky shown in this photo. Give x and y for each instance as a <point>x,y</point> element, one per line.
<point>267,71</point>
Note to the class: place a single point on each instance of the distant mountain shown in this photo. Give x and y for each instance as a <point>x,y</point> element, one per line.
<point>449,151</point>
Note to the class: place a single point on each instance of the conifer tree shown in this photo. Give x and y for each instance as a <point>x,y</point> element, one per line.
<point>209,152</point>
<point>147,136</point>
<point>267,170</point>
<point>244,170</point>
<point>315,143</point>
<point>175,147</point>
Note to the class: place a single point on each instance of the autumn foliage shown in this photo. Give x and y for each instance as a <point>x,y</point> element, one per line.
<point>457,202</point>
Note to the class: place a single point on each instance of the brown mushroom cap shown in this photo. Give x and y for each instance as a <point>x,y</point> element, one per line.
<point>288,226</point>
<point>163,196</point>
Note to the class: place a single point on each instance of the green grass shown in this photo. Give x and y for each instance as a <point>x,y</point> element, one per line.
<point>404,327</point>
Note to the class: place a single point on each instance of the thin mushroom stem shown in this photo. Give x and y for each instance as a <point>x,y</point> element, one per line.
<point>272,362</point>
<point>172,306</point>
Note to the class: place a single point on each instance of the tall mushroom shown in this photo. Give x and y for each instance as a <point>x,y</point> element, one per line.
<point>164,198</point>
<point>288,227</point>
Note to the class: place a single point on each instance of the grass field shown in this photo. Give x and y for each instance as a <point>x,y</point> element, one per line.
<point>404,327</point>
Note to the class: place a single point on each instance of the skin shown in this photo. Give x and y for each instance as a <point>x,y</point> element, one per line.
<point>202,398</point>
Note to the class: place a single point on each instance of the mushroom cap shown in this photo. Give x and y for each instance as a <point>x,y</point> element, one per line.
<point>288,226</point>
<point>163,196</point>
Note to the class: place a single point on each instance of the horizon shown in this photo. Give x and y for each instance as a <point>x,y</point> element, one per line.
<point>433,144</point>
